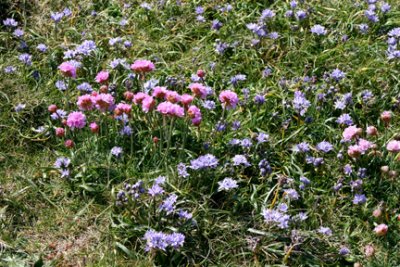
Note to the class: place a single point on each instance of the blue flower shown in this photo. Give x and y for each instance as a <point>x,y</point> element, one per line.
<point>227,184</point>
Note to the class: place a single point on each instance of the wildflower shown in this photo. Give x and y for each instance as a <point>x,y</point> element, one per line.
<point>344,251</point>
<point>57,16</point>
<point>264,167</point>
<point>85,87</point>
<point>291,194</point>
<point>259,99</point>
<point>386,116</point>
<point>300,103</point>
<point>18,33</point>
<point>9,69</point>
<point>204,162</point>
<point>142,66</point>
<point>19,107</point>
<point>227,184</point>
<point>239,77</point>
<point>351,132</point>
<point>185,215</point>
<point>172,96</point>
<point>345,119</point>
<point>94,127</point>
<point>42,48</point>
<point>209,104</point>
<point>302,147</point>
<point>324,146</point>
<point>276,217</point>
<point>228,99</point>
<point>216,25</point>
<point>385,7</point>
<point>148,104</point>
<point>262,138</point>
<point>60,132</point>
<point>26,59</point>
<point>325,231</point>
<point>67,69</point>
<point>318,30</point>
<point>393,146</point>
<point>167,108</point>
<point>381,229</point>
<point>69,143</point>
<point>168,204</point>
<point>85,102</point>
<point>267,14</point>
<point>198,90</point>
<point>155,190</point>
<point>372,131</point>
<point>363,28</point>
<point>337,75</point>
<point>10,22</point>
<point>240,160</point>
<point>301,14</point>
<point>103,102</point>
<point>76,119</point>
<point>102,76</point>
<point>359,199</point>
<point>182,171</point>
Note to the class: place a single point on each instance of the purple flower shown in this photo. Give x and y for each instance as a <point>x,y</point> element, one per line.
<point>155,190</point>
<point>185,215</point>
<point>9,69</point>
<point>324,146</point>
<point>246,143</point>
<point>303,147</point>
<point>293,4</point>
<point>240,160</point>
<point>300,103</point>
<point>259,99</point>
<point>155,240</point>
<point>371,15</point>
<point>18,33</point>
<point>160,180</point>
<point>209,104</point>
<point>325,231</point>
<point>62,163</point>
<point>42,48</point>
<point>19,107</point>
<point>182,172</point>
<point>236,125</point>
<point>227,184</point>
<point>347,169</point>
<point>385,7</point>
<point>85,87</point>
<point>216,25</point>
<point>344,251</point>
<point>168,204</point>
<point>318,30</point>
<point>301,14</point>
<point>199,10</point>
<point>291,194</point>
<point>57,16</point>
<point>10,22</point>
<point>116,151</point>
<point>337,75</point>
<point>359,199</point>
<point>26,59</point>
<point>363,28</point>
<point>239,77</point>
<point>126,130</point>
<point>276,217</point>
<point>267,14</point>
<point>262,138</point>
<point>264,166</point>
<point>204,162</point>
<point>175,240</point>
<point>67,12</point>
<point>345,119</point>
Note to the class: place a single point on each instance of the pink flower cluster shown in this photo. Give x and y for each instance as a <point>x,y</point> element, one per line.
<point>102,76</point>
<point>102,102</point>
<point>228,99</point>
<point>360,148</point>
<point>351,132</point>
<point>67,69</point>
<point>76,119</point>
<point>142,66</point>
<point>393,146</point>
<point>198,90</point>
<point>147,102</point>
<point>171,109</point>
<point>195,114</point>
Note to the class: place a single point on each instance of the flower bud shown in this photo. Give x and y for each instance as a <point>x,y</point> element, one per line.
<point>52,108</point>
<point>377,213</point>
<point>69,143</point>
<point>60,132</point>
<point>369,251</point>
<point>201,73</point>
<point>386,116</point>
<point>385,169</point>
<point>104,89</point>
<point>128,95</point>
<point>381,229</point>
<point>372,131</point>
<point>94,128</point>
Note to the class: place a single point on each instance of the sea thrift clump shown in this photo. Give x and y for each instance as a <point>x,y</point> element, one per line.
<point>103,102</point>
<point>76,119</point>
<point>168,108</point>
<point>228,99</point>
<point>85,102</point>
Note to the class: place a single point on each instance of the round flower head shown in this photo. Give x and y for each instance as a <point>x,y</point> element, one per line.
<point>148,104</point>
<point>102,76</point>
<point>393,146</point>
<point>142,66</point>
<point>168,108</point>
<point>386,116</point>
<point>172,96</point>
<point>372,131</point>
<point>60,132</point>
<point>94,127</point>
<point>198,90</point>
<point>381,229</point>
<point>186,99</point>
<point>76,119</point>
<point>67,69</point>
<point>193,112</point>
<point>354,151</point>
<point>159,92</point>
<point>351,132</point>
<point>104,102</point>
<point>85,102</point>
<point>123,108</point>
<point>139,97</point>
<point>229,99</point>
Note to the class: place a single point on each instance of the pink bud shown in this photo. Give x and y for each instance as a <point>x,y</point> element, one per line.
<point>381,229</point>
<point>52,108</point>
<point>69,143</point>
<point>60,132</point>
<point>386,116</point>
<point>201,73</point>
<point>94,128</point>
<point>372,131</point>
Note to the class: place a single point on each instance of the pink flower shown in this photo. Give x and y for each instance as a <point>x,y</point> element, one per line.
<point>104,102</point>
<point>69,143</point>
<point>351,132</point>
<point>128,95</point>
<point>198,90</point>
<point>196,120</point>
<point>102,76</point>
<point>148,104</point>
<point>186,99</point>
<point>386,116</point>
<point>193,111</point>
<point>94,128</point>
<point>52,108</point>
<point>142,66</point>
<point>229,99</point>
<point>201,73</point>
<point>159,92</point>
<point>60,132</point>
<point>393,146</point>
<point>172,96</point>
<point>372,131</point>
<point>381,229</point>
<point>364,145</point>
<point>139,97</point>
<point>85,102</point>
<point>123,108</point>
<point>354,151</point>
<point>168,108</point>
<point>76,119</point>
<point>67,69</point>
